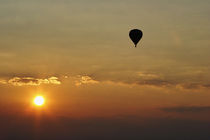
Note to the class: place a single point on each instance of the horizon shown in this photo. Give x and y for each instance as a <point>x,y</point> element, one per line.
<point>94,83</point>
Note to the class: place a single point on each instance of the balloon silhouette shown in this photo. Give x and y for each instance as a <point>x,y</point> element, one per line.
<point>135,36</point>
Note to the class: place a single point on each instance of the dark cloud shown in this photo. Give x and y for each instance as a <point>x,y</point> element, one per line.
<point>155,82</point>
<point>195,85</point>
<point>184,109</point>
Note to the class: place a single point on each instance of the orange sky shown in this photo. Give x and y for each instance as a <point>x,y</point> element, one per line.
<point>78,55</point>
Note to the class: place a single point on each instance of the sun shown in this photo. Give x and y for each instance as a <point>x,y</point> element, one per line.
<point>39,100</point>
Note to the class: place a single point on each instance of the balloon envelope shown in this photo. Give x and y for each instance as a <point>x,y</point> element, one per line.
<point>135,36</point>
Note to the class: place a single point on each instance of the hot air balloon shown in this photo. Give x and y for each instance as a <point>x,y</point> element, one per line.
<point>135,36</point>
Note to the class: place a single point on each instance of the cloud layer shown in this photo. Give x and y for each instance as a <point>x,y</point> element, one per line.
<point>139,79</point>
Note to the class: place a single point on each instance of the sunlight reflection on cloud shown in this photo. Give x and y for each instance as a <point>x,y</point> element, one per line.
<point>30,81</point>
<point>80,80</point>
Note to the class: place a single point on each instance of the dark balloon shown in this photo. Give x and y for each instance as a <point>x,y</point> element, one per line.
<point>135,36</point>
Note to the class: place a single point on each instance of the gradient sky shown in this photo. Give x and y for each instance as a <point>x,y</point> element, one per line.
<point>78,55</point>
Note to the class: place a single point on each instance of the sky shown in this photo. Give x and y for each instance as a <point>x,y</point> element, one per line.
<point>96,84</point>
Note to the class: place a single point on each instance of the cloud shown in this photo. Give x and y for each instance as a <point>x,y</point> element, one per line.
<point>142,82</point>
<point>80,80</point>
<point>154,82</point>
<point>146,79</point>
<point>6,54</point>
<point>147,75</point>
<point>54,80</point>
<point>141,79</point>
<point>3,81</point>
<point>31,81</point>
<point>193,85</point>
<point>183,109</point>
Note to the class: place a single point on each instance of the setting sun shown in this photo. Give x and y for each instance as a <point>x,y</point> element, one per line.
<point>39,100</point>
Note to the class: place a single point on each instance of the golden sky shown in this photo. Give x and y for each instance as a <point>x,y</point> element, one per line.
<point>79,56</point>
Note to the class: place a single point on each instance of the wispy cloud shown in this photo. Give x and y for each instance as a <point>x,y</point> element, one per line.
<point>31,81</point>
<point>149,83</point>
<point>6,54</point>
<point>193,85</point>
<point>154,82</point>
<point>157,80</point>
<point>147,75</point>
<point>140,79</point>
<point>3,81</point>
<point>80,80</point>
<point>183,109</point>
<point>165,83</point>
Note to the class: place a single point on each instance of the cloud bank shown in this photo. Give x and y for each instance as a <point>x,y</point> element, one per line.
<point>138,79</point>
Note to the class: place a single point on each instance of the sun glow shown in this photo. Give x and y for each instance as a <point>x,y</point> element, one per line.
<point>39,100</point>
